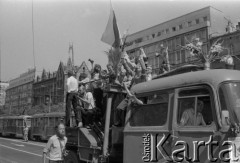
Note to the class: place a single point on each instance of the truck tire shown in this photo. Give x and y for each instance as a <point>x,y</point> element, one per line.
<point>71,158</point>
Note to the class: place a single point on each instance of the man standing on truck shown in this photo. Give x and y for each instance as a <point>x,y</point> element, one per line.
<point>88,105</point>
<point>72,92</point>
<point>55,148</point>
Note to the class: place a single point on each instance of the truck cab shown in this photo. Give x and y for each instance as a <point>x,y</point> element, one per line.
<point>190,117</point>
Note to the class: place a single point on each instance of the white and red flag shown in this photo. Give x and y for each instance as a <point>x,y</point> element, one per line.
<point>111,34</point>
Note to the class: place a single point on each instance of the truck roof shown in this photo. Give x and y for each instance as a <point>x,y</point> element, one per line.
<point>212,77</point>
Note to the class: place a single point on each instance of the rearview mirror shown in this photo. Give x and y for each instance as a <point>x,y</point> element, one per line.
<point>225,118</point>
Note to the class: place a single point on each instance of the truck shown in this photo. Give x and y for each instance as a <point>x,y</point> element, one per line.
<point>154,132</point>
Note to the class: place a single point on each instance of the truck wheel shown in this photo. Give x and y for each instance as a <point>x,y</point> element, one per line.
<point>71,158</point>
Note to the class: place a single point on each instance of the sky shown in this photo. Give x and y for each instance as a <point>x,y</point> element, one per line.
<point>56,23</point>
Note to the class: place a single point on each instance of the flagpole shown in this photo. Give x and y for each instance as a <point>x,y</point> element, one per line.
<point>111,7</point>
<point>33,39</point>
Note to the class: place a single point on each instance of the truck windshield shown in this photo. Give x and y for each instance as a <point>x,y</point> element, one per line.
<point>230,99</point>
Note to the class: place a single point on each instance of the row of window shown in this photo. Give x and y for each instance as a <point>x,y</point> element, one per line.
<point>194,108</point>
<point>24,101</point>
<point>20,89</point>
<point>171,29</point>
<point>176,54</point>
<point>46,121</point>
<point>12,122</point>
<point>43,100</point>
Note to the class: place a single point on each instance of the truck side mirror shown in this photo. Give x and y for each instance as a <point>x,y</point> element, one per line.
<point>225,118</point>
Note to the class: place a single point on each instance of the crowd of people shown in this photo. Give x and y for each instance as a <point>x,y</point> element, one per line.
<point>85,95</point>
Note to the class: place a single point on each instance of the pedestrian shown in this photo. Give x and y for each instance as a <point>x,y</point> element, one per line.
<point>25,131</point>
<point>55,148</point>
<point>72,101</point>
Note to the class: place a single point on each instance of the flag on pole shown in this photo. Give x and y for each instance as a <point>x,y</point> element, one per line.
<point>111,34</point>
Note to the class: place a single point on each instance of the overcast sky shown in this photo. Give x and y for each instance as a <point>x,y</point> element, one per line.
<point>58,22</point>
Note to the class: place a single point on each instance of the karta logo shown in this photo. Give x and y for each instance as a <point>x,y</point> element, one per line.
<point>151,148</point>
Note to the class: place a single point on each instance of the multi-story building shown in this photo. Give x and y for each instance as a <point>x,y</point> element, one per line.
<point>3,87</point>
<point>19,92</point>
<point>44,88</point>
<point>50,88</point>
<point>202,23</point>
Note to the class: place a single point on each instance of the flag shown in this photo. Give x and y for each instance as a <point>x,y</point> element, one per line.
<point>111,34</point>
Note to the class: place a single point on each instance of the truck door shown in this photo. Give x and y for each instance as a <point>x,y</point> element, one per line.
<point>146,126</point>
<point>194,125</point>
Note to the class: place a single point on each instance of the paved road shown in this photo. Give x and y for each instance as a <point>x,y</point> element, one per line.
<point>17,151</point>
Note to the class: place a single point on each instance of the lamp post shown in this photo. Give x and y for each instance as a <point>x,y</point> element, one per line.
<point>49,102</point>
<point>18,103</point>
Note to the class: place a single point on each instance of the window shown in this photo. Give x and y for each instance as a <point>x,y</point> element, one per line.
<point>189,24</point>
<point>51,121</point>
<point>172,58</point>
<point>180,26</point>
<point>19,122</point>
<point>153,113</point>
<point>230,98</point>
<point>183,56</point>
<point>138,40</point>
<point>169,42</point>
<point>173,29</point>
<point>167,31</point>
<point>45,121</point>
<point>205,18</point>
<point>178,57</point>
<point>159,34</point>
<point>197,21</point>
<point>173,44</point>
<point>178,42</point>
<point>194,107</point>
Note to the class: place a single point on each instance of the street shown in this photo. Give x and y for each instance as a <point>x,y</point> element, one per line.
<point>17,151</point>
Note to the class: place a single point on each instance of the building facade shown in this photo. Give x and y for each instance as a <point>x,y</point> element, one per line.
<point>50,88</point>
<point>44,89</point>
<point>3,87</point>
<point>19,93</point>
<point>176,33</point>
<point>83,71</point>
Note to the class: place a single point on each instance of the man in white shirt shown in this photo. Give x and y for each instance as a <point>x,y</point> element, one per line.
<point>55,148</point>
<point>72,92</point>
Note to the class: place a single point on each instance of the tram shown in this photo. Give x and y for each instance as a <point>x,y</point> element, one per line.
<point>13,125</point>
<point>43,124</point>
